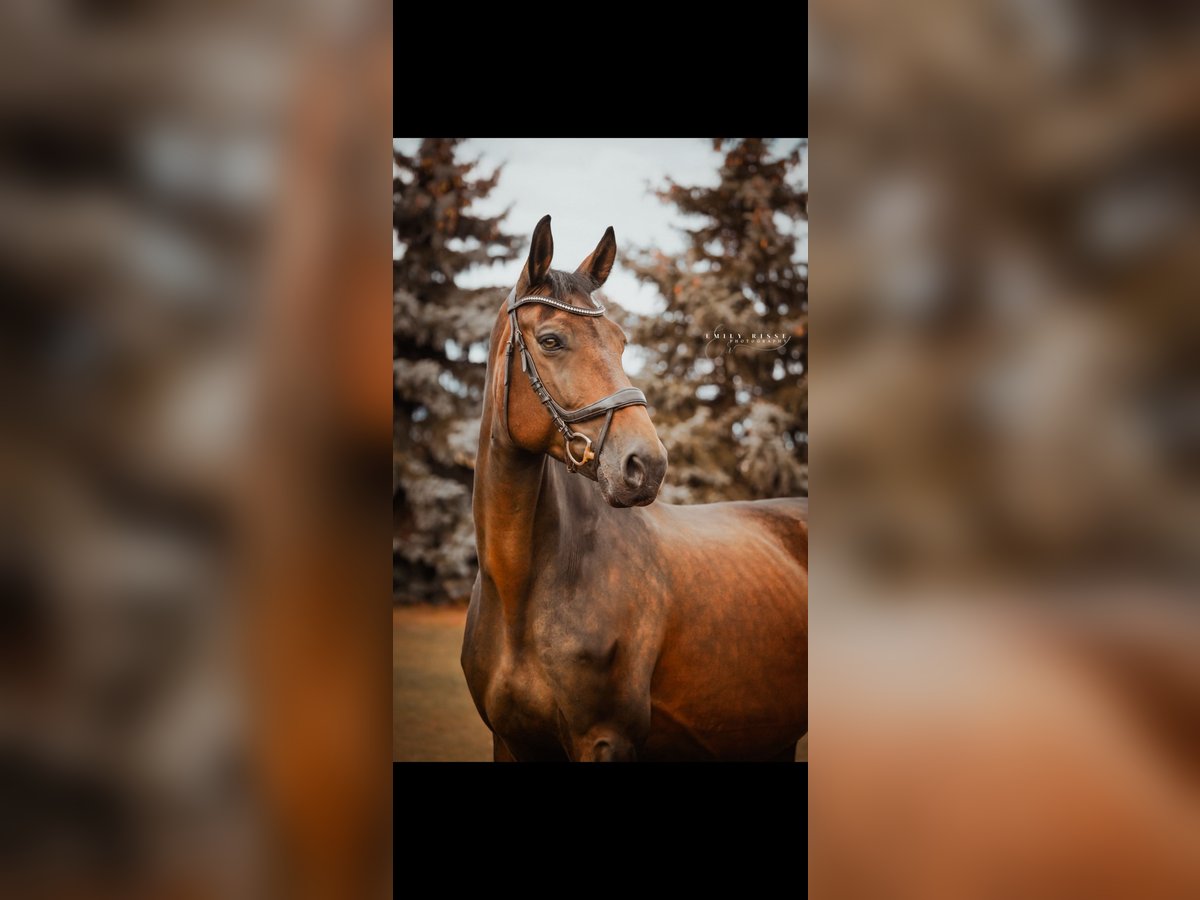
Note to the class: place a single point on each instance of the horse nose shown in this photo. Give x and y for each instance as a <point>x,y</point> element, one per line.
<point>635,471</point>
<point>643,468</point>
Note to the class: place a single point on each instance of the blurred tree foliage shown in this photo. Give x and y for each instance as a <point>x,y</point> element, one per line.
<point>734,419</point>
<point>437,380</point>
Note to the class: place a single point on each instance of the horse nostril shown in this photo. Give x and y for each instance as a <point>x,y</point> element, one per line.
<point>635,471</point>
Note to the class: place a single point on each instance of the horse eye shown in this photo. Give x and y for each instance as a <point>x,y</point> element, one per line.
<point>550,342</point>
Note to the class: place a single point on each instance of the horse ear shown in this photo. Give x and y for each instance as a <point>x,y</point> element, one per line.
<point>600,263</point>
<point>541,251</point>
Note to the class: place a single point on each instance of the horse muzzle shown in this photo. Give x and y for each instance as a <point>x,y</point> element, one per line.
<point>632,477</point>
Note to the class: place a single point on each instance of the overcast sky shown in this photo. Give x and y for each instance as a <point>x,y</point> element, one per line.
<point>587,184</point>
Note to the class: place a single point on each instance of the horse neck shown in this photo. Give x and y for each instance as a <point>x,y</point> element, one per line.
<point>526,506</point>
<point>508,486</point>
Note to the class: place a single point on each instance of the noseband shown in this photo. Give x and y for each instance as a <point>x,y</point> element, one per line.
<point>629,396</point>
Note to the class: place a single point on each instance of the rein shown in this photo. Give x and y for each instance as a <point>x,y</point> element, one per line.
<point>563,418</point>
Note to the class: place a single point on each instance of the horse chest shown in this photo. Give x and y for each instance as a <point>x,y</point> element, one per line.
<point>562,672</point>
<point>520,705</point>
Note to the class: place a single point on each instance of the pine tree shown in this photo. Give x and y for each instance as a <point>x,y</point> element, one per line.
<point>438,334</point>
<point>734,419</point>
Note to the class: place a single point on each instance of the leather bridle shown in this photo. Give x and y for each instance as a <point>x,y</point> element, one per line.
<point>563,418</point>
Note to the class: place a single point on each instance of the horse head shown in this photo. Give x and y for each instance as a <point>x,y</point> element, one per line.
<point>577,404</point>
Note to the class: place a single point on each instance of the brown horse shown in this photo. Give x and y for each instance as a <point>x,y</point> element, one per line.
<point>602,627</point>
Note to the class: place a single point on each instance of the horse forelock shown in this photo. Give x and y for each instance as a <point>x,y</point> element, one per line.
<point>565,286</point>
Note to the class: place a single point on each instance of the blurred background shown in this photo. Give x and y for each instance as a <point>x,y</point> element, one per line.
<point>712,238</point>
<point>1005,663</point>
<point>193,289</point>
